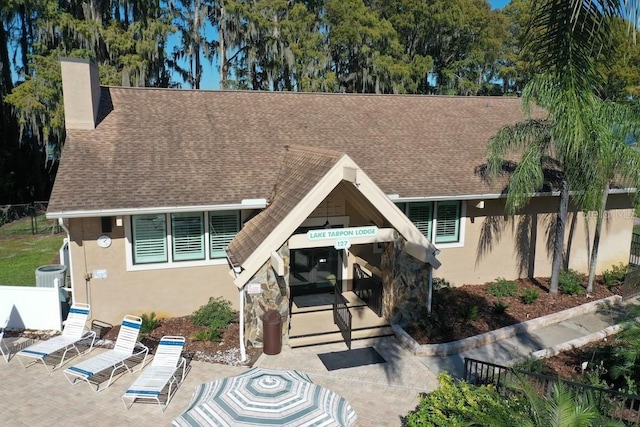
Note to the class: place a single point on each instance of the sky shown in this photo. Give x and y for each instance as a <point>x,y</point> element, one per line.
<point>498,4</point>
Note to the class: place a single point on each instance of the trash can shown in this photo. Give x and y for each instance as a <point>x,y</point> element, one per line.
<point>272,332</point>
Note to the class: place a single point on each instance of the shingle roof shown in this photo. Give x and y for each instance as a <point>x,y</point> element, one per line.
<point>172,148</point>
<point>301,170</point>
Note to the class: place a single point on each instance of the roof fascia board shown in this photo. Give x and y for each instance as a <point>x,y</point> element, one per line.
<point>251,204</point>
<point>398,199</point>
<point>313,199</point>
<point>394,215</point>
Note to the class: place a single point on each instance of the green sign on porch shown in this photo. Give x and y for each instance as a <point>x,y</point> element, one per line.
<point>342,233</point>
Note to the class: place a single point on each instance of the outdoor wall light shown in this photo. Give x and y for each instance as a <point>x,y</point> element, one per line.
<point>118,221</point>
<point>480,204</point>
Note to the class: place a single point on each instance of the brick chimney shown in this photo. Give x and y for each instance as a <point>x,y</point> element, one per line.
<point>81,93</point>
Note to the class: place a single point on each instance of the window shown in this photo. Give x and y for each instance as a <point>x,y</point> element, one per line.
<point>223,226</point>
<point>149,239</point>
<point>438,221</point>
<point>182,237</point>
<point>420,214</point>
<point>447,222</point>
<point>188,236</point>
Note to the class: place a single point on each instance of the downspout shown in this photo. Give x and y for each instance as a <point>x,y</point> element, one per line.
<point>66,230</point>
<point>430,289</point>
<point>243,350</point>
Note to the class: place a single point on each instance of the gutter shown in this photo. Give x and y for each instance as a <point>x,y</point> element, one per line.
<point>398,198</point>
<point>245,204</point>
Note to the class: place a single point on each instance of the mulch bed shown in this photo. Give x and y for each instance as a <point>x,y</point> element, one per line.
<point>453,319</point>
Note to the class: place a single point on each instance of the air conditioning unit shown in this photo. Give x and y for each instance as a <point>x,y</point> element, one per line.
<point>50,276</point>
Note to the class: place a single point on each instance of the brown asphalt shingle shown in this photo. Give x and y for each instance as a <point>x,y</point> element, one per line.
<point>167,148</point>
<point>301,170</point>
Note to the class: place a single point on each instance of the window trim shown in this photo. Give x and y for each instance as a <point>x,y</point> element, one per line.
<point>462,220</point>
<point>171,263</point>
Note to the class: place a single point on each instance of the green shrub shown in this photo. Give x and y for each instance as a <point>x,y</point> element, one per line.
<point>615,275</point>
<point>460,404</point>
<point>469,312</point>
<point>439,283</point>
<point>529,296</point>
<point>537,366</point>
<point>503,288</point>
<point>570,282</point>
<point>209,334</point>
<point>216,312</point>
<point>216,315</point>
<point>500,307</point>
<point>149,323</point>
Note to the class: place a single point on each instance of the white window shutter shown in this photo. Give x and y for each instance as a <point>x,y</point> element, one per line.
<point>149,239</point>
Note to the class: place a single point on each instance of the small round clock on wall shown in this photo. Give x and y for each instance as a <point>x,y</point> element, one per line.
<point>104,241</point>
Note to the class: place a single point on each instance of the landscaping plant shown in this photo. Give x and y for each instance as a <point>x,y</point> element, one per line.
<point>614,276</point>
<point>500,307</point>
<point>458,403</point>
<point>570,282</point>
<point>503,288</point>
<point>215,315</point>
<point>149,322</point>
<point>529,296</point>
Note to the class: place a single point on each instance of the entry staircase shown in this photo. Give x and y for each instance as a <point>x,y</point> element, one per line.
<point>313,325</point>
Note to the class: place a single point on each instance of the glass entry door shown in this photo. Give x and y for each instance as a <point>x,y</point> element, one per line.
<point>314,270</point>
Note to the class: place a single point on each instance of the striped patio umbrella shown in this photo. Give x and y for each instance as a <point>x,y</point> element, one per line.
<point>265,397</point>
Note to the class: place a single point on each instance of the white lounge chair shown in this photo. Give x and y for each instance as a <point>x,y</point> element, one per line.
<point>163,373</point>
<point>74,332</point>
<point>4,349</point>
<point>126,350</point>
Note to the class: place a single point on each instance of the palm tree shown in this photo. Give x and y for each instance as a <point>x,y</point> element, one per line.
<point>564,37</point>
<point>535,141</point>
<point>562,407</point>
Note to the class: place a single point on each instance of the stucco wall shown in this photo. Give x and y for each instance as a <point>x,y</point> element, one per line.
<point>521,246</point>
<point>167,292</point>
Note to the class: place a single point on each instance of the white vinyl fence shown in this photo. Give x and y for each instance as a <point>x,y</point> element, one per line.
<point>31,307</point>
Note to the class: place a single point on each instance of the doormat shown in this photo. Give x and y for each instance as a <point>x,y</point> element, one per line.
<point>313,300</point>
<point>351,358</point>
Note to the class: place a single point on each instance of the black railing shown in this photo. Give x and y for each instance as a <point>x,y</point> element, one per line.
<point>368,289</point>
<point>634,257</point>
<point>614,404</point>
<point>342,316</point>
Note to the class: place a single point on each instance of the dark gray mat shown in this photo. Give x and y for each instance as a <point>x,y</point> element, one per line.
<point>351,358</point>
<point>313,300</point>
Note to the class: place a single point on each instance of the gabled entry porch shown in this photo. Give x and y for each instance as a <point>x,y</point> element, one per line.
<point>326,216</point>
<point>336,316</point>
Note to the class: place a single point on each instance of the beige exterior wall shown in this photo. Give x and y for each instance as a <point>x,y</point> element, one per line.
<point>494,246</point>
<point>498,246</point>
<point>167,291</point>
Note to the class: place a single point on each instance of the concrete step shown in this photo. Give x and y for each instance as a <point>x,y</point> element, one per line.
<point>330,337</point>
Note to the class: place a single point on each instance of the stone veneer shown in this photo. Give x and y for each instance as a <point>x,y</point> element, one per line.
<point>405,281</point>
<point>275,295</point>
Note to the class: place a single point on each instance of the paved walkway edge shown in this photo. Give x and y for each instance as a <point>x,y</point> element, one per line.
<point>447,349</point>
<point>576,343</point>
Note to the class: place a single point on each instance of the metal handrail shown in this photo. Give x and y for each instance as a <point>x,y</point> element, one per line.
<point>615,404</point>
<point>368,289</point>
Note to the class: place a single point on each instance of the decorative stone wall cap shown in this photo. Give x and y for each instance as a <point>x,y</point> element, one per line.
<point>490,337</point>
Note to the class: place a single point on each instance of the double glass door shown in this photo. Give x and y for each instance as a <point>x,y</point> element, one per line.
<point>314,270</point>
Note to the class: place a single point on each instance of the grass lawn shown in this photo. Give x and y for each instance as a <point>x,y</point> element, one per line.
<point>21,254</point>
